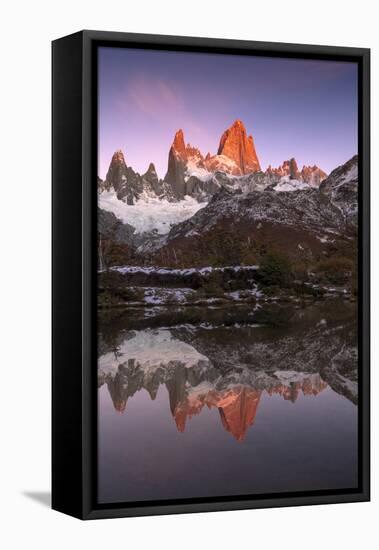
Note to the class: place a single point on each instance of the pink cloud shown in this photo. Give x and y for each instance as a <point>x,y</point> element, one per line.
<point>153,96</point>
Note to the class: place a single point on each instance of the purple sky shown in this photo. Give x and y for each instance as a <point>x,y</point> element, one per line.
<point>293,108</point>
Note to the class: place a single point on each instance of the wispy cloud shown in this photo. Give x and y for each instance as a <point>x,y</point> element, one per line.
<point>162,101</point>
<point>153,96</point>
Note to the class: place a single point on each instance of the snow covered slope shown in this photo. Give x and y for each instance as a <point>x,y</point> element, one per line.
<point>151,214</point>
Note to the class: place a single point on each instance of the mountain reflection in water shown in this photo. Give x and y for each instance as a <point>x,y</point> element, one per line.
<point>264,404</point>
<point>150,358</point>
<point>228,367</point>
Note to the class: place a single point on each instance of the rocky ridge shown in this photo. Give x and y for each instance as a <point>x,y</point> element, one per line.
<point>341,186</point>
<point>190,173</point>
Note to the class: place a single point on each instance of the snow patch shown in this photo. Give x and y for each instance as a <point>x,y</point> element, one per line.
<point>159,296</point>
<point>152,213</point>
<point>287,184</point>
<point>192,169</point>
<point>351,175</point>
<point>184,272</point>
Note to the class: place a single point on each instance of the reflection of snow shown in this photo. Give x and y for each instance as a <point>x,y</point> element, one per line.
<point>152,349</point>
<point>155,355</point>
<point>156,296</point>
<point>147,215</point>
<point>247,293</point>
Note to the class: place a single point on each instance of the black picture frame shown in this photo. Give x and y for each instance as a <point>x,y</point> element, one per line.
<point>74,152</point>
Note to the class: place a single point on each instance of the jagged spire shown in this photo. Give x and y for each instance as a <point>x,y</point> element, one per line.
<point>236,145</point>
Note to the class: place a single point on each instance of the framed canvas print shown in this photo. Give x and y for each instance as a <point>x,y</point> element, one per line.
<point>210,274</point>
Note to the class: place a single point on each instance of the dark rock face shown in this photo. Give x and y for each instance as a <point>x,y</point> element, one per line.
<point>117,172</point>
<point>294,171</point>
<point>180,157</point>
<point>175,173</point>
<point>151,176</point>
<point>200,190</point>
<point>341,186</point>
<point>129,185</point>
<point>110,227</point>
<point>116,240</point>
<point>100,185</point>
<point>120,177</point>
<point>152,186</point>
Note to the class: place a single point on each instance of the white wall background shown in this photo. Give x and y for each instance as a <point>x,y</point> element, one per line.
<point>27,29</point>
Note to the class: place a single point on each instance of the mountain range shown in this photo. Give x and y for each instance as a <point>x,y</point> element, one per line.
<point>222,209</point>
<point>191,174</point>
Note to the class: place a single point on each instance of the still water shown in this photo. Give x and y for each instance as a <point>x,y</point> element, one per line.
<point>266,404</point>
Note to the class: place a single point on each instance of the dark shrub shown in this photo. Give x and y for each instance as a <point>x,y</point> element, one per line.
<point>274,270</point>
<point>337,270</point>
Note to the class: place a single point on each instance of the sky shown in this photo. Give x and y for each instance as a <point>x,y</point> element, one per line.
<point>307,109</point>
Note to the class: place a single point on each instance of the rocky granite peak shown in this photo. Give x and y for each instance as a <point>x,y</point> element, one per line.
<point>151,176</point>
<point>118,157</point>
<point>178,144</point>
<point>129,185</point>
<point>117,172</point>
<point>151,171</point>
<point>312,175</point>
<point>176,165</point>
<point>239,147</point>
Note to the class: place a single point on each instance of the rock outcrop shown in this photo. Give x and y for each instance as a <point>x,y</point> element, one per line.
<point>116,175</point>
<point>129,185</point>
<point>182,160</point>
<point>341,186</point>
<point>312,175</point>
<point>123,179</point>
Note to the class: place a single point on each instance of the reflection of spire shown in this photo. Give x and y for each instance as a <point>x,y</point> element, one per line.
<point>239,411</point>
<point>117,394</point>
<point>311,385</point>
<point>150,358</point>
<point>191,389</point>
<point>237,405</point>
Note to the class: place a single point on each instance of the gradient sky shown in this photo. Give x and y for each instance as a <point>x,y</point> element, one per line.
<point>293,108</point>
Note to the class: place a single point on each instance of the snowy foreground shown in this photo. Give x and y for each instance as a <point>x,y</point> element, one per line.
<point>151,214</point>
